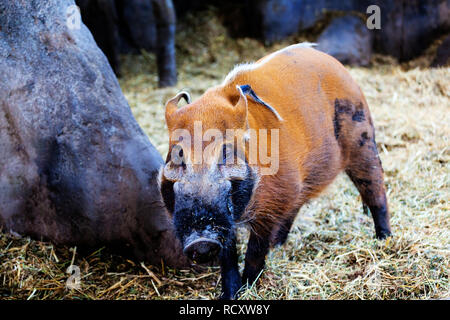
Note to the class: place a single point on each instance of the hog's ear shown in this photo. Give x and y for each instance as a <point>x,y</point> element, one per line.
<point>247,91</point>
<point>242,104</point>
<point>172,104</point>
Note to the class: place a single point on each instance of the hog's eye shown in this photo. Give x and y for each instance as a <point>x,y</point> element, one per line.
<point>177,156</point>
<point>227,153</point>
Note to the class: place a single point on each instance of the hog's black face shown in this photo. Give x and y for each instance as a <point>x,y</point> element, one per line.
<point>203,225</point>
<point>205,202</point>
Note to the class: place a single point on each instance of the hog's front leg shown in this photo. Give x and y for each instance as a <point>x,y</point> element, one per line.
<point>231,279</point>
<point>255,257</point>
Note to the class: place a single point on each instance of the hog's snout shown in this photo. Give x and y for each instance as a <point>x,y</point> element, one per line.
<point>202,250</point>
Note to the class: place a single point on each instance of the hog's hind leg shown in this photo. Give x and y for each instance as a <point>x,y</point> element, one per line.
<point>366,172</point>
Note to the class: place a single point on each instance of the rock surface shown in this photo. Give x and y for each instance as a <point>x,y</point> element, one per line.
<point>407,27</point>
<point>278,19</point>
<point>348,40</point>
<point>75,167</point>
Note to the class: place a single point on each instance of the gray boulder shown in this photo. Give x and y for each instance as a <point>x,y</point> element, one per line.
<point>75,167</point>
<point>407,27</point>
<point>348,40</point>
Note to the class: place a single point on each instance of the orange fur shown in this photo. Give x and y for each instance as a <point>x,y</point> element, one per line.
<point>307,88</point>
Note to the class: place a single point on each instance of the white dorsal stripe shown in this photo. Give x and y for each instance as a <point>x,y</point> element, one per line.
<point>247,66</point>
<point>254,97</point>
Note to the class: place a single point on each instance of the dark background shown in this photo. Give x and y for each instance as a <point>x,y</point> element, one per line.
<point>408,27</point>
